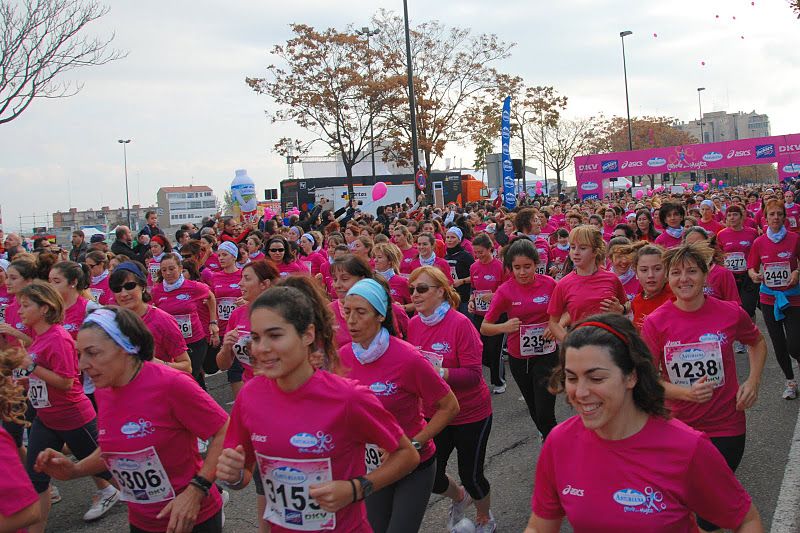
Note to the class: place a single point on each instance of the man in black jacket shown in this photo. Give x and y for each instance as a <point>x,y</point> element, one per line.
<point>79,247</point>
<point>122,244</point>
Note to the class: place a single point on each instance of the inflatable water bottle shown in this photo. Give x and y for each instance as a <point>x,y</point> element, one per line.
<point>243,192</point>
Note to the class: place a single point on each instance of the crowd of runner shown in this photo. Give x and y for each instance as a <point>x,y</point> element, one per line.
<point>355,345</point>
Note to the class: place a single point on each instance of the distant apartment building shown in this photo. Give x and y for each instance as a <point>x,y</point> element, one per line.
<point>720,126</point>
<point>103,218</point>
<point>185,205</point>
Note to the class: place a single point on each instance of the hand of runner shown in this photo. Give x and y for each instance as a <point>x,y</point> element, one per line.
<point>612,305</point>
<point>230,464</point>
<point>333,495</point>
<point>56,465</point>
<point>511,325</point>
<point>701,391</point>
<point>756,277</point>
<point>230,339</point>
<point>471,306</point>
<point>794,279</point>
<point>746,396</point>
<point>548,334</point>
<point>183,510</point>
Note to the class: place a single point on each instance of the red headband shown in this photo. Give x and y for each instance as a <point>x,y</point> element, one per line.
<point>606,327</point>
<point>158,239</point>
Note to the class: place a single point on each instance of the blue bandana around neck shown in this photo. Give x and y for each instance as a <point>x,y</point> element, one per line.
<point>675,233</point>
<point>169,287</point>
<point>437,316</point>
<point>387,274</point>
<point>375,350</point>
<point>776,236</point>
<point>429,261</point>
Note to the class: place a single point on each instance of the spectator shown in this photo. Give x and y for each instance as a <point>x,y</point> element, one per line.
<point>122,244</point>
<point>79,247</point>
<point>151,229</point>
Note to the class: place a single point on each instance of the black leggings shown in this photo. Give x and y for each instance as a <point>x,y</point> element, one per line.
<point>492,350</point>
<point>532,375</point>
<point>212,525</point>
<point>732,449</point>
<point>197,354</point>
<point>748,292</point>
<point>400,507</point>
<point>785,336</point>
<point>469,441</point>
<point>17,430</point>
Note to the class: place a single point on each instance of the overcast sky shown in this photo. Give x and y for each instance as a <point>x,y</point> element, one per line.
<point>180,94</point>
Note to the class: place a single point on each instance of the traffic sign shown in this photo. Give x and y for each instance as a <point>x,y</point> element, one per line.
<point>421,179</point>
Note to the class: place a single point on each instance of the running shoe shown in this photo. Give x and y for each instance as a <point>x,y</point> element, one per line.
<point>489,527</point>
<point>738,347</point>
<point>55,494</point>
<point>464,526</point>
<point>457,509</point>
<point>226,497</point>
<point>790,392</point>
<point>499,389</point>
<point>101,505</point>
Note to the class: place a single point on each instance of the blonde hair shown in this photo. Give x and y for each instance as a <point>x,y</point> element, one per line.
<point>391,252</point>
<point>590,236</point>
<point>44,294</point>
<point>12,394</point>
<point>440,281</point>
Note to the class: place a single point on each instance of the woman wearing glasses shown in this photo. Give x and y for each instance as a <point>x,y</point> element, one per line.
<point>128,282</point>
<point>97,262</point>
<point>280,253</point>
<point>450,342</point>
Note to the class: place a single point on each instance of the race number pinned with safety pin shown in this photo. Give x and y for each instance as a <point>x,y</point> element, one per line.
<point>185,325</point>
<point>777,275</point>
<point>140,475</point>
<point>481,305</point>
<point>532,341</point>
<point>735,262</point>
<point>687,363</point>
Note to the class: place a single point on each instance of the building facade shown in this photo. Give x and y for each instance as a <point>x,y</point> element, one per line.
<point>720,126</point>
<point>185,205</point>
<point>105,218</point>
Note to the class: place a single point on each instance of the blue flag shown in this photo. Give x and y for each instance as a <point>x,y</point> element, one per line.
<point>509,198</point>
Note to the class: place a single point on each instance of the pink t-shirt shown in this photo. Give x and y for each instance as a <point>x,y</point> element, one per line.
<point>406,263</point>
<point>400,378</point>
<point>439,263</point>
<point>295,268</point>
<point>652,481</point>
<point>16,489</point>
<point>325,270</point>
<point>543,249</point>
<point>721,284</point>
<point>317,259</point>
<point>528,303</point>
<point>581,295</point>
<point>459,345</point>
<point>558,258</point>
<point>225,287</point>
<point>668,241</point>
<point>213,262</point>
<point>485,278</point>
<point>169,342</point>
<point>793,217</point>
<point>342,333</point>
<point>716,325</point>
<point>711,226</point>
<point>101,293</point>
<point>59,409</point>
<point>398,288</point>
<point>240,320</point>
<point>74,315</point>
<point>328,419</point>
<point>769,255</point>
<point>182,303</point>
<point>13,319</point>
<point>736,247</point>
<point>165,410</point>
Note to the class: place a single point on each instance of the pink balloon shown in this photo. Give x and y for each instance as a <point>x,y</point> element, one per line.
<point>539,185</point>
<point>713,181</point>
<point>627,185</point>
<point>379,190</point>
<point>721,183</point>
<point>685,185</point>
<point>639,194</point>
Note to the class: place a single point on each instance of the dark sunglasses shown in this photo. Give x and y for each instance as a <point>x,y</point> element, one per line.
<point>129,286</point>
<point>277,250</point>
<point>421,288</point>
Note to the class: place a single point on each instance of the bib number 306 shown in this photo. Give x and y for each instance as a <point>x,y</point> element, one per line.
<point>140,475</point>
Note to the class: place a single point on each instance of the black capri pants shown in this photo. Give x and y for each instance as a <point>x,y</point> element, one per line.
<point>469,441</point>
<point>785,336</point>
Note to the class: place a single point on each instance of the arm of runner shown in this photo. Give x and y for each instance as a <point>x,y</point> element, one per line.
<point>48,376</point>
<point>701,391</point>
<point>537,524</point>
<point>510,325</point>
<point>21,519</point>
<point>57,465</point>
<point>747,394</point>
<point>213,328</point>
<point>182,363</point>
<point>225,354</point>
<point>232,470</point>
<point>556,328</point>
<point>447,409</point>
<point>752,522</point>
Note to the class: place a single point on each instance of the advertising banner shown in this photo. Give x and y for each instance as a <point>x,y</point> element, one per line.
<point>592,170</point>
<point>509,198</point>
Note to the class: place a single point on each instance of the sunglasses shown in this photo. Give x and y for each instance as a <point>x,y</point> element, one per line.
<point>276,250</point>
<point>421,288</point>
<point>129,286</point>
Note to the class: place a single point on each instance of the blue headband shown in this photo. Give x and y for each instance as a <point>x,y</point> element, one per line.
<point>373,292</point>
<point>310,238</point>
<point>456,231</point>
<point>229,247</point>
<point>107,320</point>
<point>133,268</point>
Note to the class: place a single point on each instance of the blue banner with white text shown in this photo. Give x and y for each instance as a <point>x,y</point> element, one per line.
<point>509,198</point>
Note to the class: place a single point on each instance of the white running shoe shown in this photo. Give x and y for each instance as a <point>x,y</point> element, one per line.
<point>465,525</point>
<point>499,390</point>
<point>738,347</point>
<point>55,494</point>
<point>457,509</point>
<point>226,497</point>
<point>101,505</point>
<point>488,527</point>
<point>790,392</point>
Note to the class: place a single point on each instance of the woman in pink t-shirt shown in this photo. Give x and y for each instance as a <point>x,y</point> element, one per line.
<point>254,246</point>
<point>735,242</point>
<point>621,464</point>
<point>64,415</point>
<point>225,283</point>
<point>452,343</point>
<point>71,280</point>
<point>620,253</point>
<point>588,289</point>
<point>282,256</point>
<point>691,339</point>
<point>312,258</point>
<point>97,262</point>
<point>720,282</point>
<point>427,257</point>
<point>387,265</point>
<point>671,215</point>
<point>403,380</point>
<point>325,424</point>
<point>148,439</point>
<point>13,332</point>
<point>405,241</point>
<point>159,247</point>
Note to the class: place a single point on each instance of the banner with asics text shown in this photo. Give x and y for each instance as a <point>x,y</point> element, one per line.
<point>509,198</point>
<point>592,170</point>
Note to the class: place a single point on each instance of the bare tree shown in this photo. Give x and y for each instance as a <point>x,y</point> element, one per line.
<point>39,42</point>
<point>562,142</point>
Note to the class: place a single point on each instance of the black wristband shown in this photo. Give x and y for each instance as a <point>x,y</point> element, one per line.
<point>201,483</point>
<point>355,494</point>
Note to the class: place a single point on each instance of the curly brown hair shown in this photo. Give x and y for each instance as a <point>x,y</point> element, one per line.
<point>12,394</point>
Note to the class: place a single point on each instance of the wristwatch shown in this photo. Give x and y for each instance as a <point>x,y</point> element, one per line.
<point>416,444</point>
<point>366,486</point>
<point>201,483</point>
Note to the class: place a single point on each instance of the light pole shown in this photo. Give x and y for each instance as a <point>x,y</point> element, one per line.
<point>366,32</point>
<point>124,144</point>
<point>622,36</point>
<point>411,104</point>
<point>700,103</point>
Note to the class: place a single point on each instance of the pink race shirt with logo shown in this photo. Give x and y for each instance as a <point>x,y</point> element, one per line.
<point>407,261</point>
<point>342,333</point>
<point>668,241</point>
<point>398,288</point>
<point>74,315</point>
<point>68,409</point>
<point>439,263</point>
<point>712,226</point>
<point>400,378</point>
<point>295,268</point>
<point>793,217</point>
<point>165,409</point>
<point>459,344</point>
<point>736,247</point>
<point>717,321</point>
<point>581,295</point>
<point>102,293</point>
<point>557,259</point>
<point>652,481</point>
<point>528,303</point>
<point>15,485</point>
<point>225,287</point>
<point>328,418</point>
<point>184,302</point>
<point>486,277</point>
<point>240,320</point>
<point>721,284</point>
<point>765,252</point>
<point>169,342</point>
<point>13,319</point>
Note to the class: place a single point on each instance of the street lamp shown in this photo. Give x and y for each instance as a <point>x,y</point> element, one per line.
<point>366,32</point>
<point>124,144</point>
<point>622,36</point>
<point>700,103</point>
<point>411,104</point>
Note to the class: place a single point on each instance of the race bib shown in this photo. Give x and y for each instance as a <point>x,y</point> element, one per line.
<point>307,265</point>
<point>433,358</point>
<point>453,273</point>
<point>225,307</point>
<point>372,457</point>
<point>241,350</point>
<point>3,313</point>
<point>96,295</point>
<point>532,341</point>
<point>792,222</point>
<point>153,268</point>
<point>735,262</point>
<point>37,393</point>
<point>687,363</point>
<point>777,275</point>
<point>541,269</point>
<point>481,305</point>
<point>185,325</point>
<point>140,475</point>
<point>286,486</point>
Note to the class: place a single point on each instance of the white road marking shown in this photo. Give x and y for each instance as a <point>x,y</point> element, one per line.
<point>787,512</point>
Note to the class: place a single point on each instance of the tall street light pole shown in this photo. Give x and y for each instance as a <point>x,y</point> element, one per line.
<point>411,103</point>
<point>622,36</point>
<point>700,103</point>
<point>366,32</point>
<point>124,144</point>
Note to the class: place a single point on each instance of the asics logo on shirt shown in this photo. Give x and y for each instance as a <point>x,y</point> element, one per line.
<point>258,438</point>
<point>516,303</point>
<point>571,491</point>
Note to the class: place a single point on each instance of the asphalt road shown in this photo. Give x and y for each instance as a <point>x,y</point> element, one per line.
<point>511,459</point>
